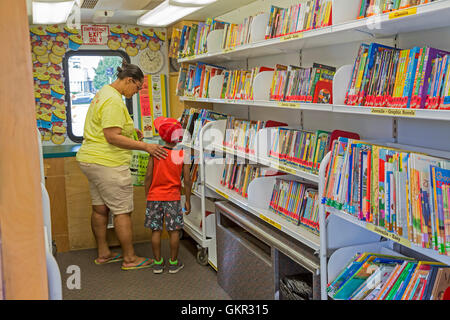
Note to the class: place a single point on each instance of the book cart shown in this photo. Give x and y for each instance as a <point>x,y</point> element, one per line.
<point>409,129</point>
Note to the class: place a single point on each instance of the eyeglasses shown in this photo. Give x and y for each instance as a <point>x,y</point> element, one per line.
<point>139,86</point>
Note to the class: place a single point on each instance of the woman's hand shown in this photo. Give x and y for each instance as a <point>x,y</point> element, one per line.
<point>139,134</point>
<point>156,151</point>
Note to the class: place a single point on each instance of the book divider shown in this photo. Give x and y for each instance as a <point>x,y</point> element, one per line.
<point>214,41</point>
<point>258,27</point>
<point>341,80</point>
<point>261,86</point>
<point>215,86</point>
<point>344,10</point>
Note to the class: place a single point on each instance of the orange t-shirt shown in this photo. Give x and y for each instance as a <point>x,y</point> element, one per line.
<point>166,181</point>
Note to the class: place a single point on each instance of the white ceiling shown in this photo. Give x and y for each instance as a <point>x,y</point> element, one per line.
<point>127,11</point>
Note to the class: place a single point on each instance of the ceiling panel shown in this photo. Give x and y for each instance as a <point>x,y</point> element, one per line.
<point>217,9</point>
<point>128,11</point>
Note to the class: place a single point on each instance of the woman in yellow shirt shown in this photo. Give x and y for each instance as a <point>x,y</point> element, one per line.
<point>104,157</point>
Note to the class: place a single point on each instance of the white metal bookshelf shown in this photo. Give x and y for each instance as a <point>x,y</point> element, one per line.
<point>210,179</point>
<point>271,163</point>
<point>427,16</point>
<point>335,108</point>
<point>366,226</point>
<point>345,30</point>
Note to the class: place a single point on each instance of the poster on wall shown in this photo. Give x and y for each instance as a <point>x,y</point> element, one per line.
<point>153,102</point>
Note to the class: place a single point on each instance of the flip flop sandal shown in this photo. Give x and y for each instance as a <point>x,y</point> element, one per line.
<point>115,259</point>
<point>139,266</point>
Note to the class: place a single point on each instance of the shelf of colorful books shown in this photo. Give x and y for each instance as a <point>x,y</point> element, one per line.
<point>423,17</point>
<point>389,235</point>
<point>268,162</point>
<point>339,259</point>
<point>443,115</point>
<point>426,114</point>
<point>266,104</point>
<point>298,232</point>
<point>288,43</point>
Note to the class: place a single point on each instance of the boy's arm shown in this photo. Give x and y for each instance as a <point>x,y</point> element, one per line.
<point>187,185</point>
<point>148,176</point>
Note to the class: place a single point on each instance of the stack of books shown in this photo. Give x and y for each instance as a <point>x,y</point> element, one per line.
<point>296,202</point>
<point>307,15</point>
<point>240,134</point>
<point>299,148</point>
<point>373,276</point>
<point>384,76</point>
<point>292,83</point>
<point>192,120</point>
<point>370,7</point>
<point>404,193</point>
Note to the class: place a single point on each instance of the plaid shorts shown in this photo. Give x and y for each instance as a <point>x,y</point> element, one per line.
<point>170,211</point>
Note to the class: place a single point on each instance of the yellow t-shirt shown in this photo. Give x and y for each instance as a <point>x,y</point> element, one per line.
<point>107,110</point>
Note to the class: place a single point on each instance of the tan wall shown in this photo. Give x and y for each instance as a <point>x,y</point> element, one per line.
<point>71,209</point>
<point>21,220</point>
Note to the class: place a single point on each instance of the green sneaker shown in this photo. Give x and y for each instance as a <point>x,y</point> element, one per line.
<point>158,267</point>
<point>174,268</point>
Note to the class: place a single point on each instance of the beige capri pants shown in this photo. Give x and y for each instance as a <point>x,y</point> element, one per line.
<point>110,186</point>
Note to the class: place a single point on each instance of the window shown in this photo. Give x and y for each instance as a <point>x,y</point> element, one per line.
<point>86,72</point>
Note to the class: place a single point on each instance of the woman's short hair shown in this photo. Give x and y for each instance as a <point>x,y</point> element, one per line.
<point>129,70</point>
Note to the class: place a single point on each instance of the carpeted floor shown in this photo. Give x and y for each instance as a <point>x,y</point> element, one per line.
<point>109,282</point>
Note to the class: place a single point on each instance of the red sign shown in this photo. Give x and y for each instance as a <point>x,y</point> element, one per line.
<point>94,34</point>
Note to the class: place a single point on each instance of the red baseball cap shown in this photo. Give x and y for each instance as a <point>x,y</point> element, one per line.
<point>169,129</point>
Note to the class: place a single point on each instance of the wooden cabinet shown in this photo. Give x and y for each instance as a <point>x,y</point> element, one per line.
<point>56,188</point>
<point>70,204</point>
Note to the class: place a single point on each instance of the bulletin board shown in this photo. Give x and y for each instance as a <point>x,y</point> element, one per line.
<point>49,44</point>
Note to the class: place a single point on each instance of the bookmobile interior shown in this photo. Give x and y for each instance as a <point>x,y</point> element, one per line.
<point>319,129</point>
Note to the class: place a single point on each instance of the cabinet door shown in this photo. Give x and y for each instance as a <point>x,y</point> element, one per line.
<point>55,185</point>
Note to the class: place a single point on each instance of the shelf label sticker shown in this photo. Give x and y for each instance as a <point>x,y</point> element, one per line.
<point>285,168</point>
<point>292,36</point>
<point>389,235</point>
<point>222,194</point>
<point>394,112</point>
<point>402,13</point>
<point>289,104</point>
<point>228,49</point>
<point>270,221</point>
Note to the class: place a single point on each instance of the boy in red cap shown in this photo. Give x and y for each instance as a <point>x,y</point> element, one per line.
<point>163,190</point>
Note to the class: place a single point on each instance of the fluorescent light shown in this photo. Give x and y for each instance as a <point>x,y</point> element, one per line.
<point>165,14</point>
<point>192,2</point>
<point>51,12</point>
